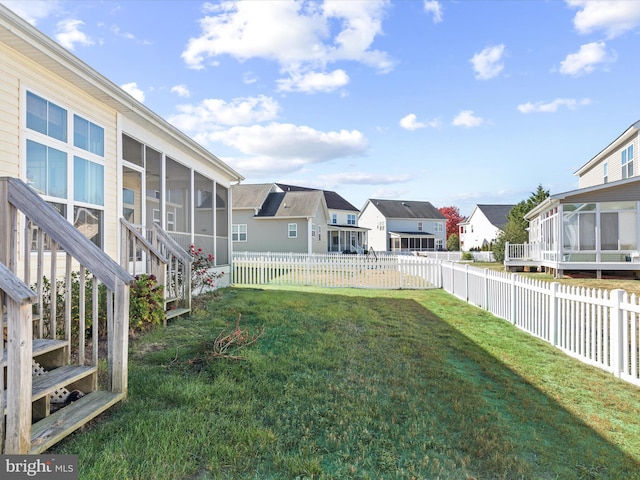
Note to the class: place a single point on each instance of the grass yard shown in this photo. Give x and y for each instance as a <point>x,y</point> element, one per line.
<point>358,384</point>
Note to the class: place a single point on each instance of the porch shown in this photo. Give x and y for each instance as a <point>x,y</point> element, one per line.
<point>347,238</point>
<point>413,242</point>
<point>552,259</point>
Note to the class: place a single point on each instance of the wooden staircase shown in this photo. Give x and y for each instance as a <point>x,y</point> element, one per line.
<point>52,421</point>
<point>163,257</point>
<point>46,351</point>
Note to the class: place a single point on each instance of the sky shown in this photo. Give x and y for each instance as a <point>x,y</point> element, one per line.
<point>455,102</point>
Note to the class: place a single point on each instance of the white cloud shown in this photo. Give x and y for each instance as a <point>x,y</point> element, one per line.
<point>133,90</point>
<point>279,147</point>
<point>69,34</point>
<point>550,107</point>
<point>466,118</point>
<point>364,178</point>
<point>181,91</point>
<point>314,82</point>
<point>410,122</point>
<point>434,7</point>
<point>586,59</point>
<point>215,113</point>
<point>33,10</point>
<point>248,78</point>
<point>614,17</point>
<point>488,63</point>
<point>116,31</point>
<point>288,141</point>
<point>389,193</point>
<point>309,42</point>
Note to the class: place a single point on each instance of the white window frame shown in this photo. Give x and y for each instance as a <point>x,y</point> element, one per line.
<point>626,161</point>
<point>292,230</point>
<point>351,219</point>
<point>334,218</point>
<point>605,172</point>
<point>71,151</point>
<point>237,231</point>
<point>420,227</point>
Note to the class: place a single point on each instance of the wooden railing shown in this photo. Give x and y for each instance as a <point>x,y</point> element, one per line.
<point>17,297</point>
<point>163,257</point>
<point>78,289</point>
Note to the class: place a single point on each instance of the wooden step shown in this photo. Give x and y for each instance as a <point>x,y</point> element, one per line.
<point>51,381</point>
<point>176,312</point>
<point>55,427</point>
<point>40,347</point>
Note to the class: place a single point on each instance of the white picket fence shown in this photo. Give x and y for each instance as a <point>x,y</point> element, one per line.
<point>335,270</point>
<point>598,327</point>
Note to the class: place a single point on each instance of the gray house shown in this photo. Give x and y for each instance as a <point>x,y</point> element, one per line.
<point>403,225</point>
<point>265,218</point>
<point>343,232</point>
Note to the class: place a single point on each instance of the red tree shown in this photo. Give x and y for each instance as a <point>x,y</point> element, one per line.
<point>453,218</point>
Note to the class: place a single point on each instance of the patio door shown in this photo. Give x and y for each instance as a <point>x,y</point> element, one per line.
<point>132,210</point>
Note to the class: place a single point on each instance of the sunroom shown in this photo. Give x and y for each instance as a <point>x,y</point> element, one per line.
<point>591,229</point>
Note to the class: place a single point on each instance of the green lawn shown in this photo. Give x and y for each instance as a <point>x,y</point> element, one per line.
<point>359,384</point>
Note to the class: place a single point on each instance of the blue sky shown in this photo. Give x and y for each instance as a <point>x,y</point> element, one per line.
<point>452,102</point>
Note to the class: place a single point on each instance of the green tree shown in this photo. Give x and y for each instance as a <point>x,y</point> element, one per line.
<point>515,231</point>
<point>453,243</point>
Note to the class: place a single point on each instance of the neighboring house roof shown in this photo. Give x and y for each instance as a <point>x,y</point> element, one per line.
<point>334,200</point>
<point>291,204</point>
<point>35,45</point>
<point>622,138</point>
<point>250,196</point>
<point>496,214</point>
<point>406,209</point>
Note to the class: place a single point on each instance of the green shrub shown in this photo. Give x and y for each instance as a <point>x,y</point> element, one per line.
<point>146,303</point>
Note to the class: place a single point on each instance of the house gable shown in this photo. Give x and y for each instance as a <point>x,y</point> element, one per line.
<point>614,156</point>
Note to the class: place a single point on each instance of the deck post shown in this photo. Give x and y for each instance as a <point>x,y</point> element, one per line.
<point>19,353</point>
<point>120,336</point>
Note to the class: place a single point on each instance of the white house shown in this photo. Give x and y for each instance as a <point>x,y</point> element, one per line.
<point>480,229</point>
<point>403,225</point>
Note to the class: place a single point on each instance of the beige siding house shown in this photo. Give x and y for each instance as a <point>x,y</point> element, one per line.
<point>98,155</point>
<point>268,219</point>
<point>594,228</point>
<point>95,188</point>
<point>615,162</point>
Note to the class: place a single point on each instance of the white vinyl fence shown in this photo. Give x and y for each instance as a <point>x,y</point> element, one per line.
<point>335,270</point>
<point>598,327</point>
